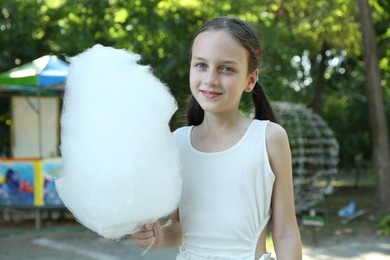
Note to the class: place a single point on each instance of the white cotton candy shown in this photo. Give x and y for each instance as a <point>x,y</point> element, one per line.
<point>121,165</point>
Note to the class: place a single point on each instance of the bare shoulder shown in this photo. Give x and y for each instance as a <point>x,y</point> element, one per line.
<point>278,149</point>
<point>275,133</point>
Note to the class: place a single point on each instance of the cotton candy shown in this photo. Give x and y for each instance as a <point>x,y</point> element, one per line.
<point>121,165</point>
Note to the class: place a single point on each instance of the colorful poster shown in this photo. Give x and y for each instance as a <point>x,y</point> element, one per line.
<point>29,182</point>
<point>52,170</point>
<point>17,181</point>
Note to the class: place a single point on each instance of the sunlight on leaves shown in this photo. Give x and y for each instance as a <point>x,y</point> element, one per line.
<point>53,4</point>
<point>121,15</point>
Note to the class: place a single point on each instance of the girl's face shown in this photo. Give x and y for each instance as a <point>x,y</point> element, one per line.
<point>219,71</point>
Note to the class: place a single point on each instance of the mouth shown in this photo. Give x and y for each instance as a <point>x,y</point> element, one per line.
<point>210,94</point>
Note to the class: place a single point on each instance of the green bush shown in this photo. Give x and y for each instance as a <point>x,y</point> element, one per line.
<point>384,225</point>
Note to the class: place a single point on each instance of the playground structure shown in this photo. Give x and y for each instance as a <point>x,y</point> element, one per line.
<point>315,153</point>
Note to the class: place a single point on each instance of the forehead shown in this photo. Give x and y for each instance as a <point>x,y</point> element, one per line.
<point>218,43</point>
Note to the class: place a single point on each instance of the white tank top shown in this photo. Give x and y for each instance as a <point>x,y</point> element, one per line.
<point>226,196</point>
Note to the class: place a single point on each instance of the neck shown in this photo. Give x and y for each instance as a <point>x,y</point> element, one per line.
<point>218,133</point>
<point>217,124</point>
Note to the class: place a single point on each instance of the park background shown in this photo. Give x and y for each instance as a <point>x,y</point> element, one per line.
<point>328,56</point>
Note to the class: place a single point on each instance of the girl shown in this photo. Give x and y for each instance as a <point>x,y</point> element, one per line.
<point>235,169</point>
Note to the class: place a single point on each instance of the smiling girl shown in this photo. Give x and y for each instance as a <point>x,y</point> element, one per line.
<point>237,172</point>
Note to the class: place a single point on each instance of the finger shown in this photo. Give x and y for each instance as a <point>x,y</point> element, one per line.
<point>145,243</point>
<point>143,234</point>
<point>148,226</point>
<point>144,228</point>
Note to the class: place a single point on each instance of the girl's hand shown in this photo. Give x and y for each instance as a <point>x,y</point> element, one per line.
<point>150,235</point>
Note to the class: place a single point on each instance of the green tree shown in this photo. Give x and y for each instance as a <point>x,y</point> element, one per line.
<point>19,32</point>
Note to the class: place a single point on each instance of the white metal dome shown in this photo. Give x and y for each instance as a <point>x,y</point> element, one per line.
<point>315,152</point>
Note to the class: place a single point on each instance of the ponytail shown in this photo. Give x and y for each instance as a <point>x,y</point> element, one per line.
<point>195,112</point>
<point>263,109</point>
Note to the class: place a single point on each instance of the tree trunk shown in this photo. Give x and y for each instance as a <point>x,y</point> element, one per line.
<point>316,103</point>
<point>376,111</point>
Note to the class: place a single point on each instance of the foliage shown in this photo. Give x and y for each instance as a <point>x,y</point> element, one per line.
<point>293,34</point>
<point>384,225</point>
<point>4,127</point>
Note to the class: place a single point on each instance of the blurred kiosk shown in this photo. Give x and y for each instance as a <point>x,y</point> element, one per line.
<point>27,178</point>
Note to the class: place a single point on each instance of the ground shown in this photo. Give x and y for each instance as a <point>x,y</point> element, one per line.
<point>340,238</point>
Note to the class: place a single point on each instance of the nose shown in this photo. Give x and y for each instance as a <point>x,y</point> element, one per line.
<point>211,78</point>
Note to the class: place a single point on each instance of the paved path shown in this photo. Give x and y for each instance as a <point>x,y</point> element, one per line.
<point>352,248</point>
<point>75,246</point>
<point>78,244</point>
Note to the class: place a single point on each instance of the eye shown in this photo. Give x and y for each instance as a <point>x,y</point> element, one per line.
<point>200,65</point>
<point>227,69</point>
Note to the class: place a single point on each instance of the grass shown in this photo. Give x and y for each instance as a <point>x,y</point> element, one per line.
<point>346,189</point>
<point>336,226</point>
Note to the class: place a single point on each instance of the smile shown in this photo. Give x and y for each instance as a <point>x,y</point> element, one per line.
<point>210,94</point>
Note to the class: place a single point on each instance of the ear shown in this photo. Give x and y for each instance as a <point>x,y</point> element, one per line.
<point>252,78</point>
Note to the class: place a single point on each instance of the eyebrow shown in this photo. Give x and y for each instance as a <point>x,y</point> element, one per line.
<point>222,61</point>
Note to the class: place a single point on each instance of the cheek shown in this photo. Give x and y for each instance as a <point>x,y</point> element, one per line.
<point>193,80</point>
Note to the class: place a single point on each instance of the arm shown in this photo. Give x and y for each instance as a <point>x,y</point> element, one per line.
<point>285,232</point>
<point>167,235</point>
